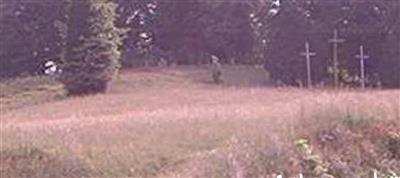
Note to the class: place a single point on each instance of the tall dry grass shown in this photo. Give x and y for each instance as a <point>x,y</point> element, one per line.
<point>205,131</point>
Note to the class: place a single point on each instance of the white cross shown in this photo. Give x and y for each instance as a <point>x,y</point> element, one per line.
<point>308,55</point>
<point>362,58</point>
<point>335,40</point>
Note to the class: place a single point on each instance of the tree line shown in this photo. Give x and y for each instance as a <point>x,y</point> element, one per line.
<point>92,39</point>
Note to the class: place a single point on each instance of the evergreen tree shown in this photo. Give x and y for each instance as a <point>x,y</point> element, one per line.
<point>92,41</point>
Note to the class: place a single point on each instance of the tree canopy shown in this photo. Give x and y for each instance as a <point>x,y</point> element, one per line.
<point>188,32</point>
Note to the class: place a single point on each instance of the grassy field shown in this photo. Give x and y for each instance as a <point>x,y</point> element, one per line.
<point>175,123</point>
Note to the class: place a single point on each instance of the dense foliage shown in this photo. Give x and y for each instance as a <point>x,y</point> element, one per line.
<point>28,36</point>
<point>189,32</point>
<point>185,32</point>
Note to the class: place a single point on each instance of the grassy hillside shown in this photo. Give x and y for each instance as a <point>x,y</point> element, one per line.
<point>21,92</point>
<point>174,123</point>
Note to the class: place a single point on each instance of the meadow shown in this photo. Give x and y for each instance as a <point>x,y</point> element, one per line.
<point>173,122</point>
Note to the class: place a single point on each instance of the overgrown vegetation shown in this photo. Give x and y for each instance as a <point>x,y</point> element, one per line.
<point>169,121</point>
<point>206,131</point>
<point>189,32</point>
<point>340,150</point>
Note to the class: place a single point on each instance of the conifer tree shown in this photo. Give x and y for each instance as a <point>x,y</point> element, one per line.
<point>92,56</point>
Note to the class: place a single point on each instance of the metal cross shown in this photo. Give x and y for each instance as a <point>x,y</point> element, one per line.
<point>308,55</point>
<point>335,40</point>
<point>362,58</point>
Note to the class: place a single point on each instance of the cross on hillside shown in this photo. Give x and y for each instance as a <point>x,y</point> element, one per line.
<point>308,54</point>
<point>362,58</point>
<point>336,41</point>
